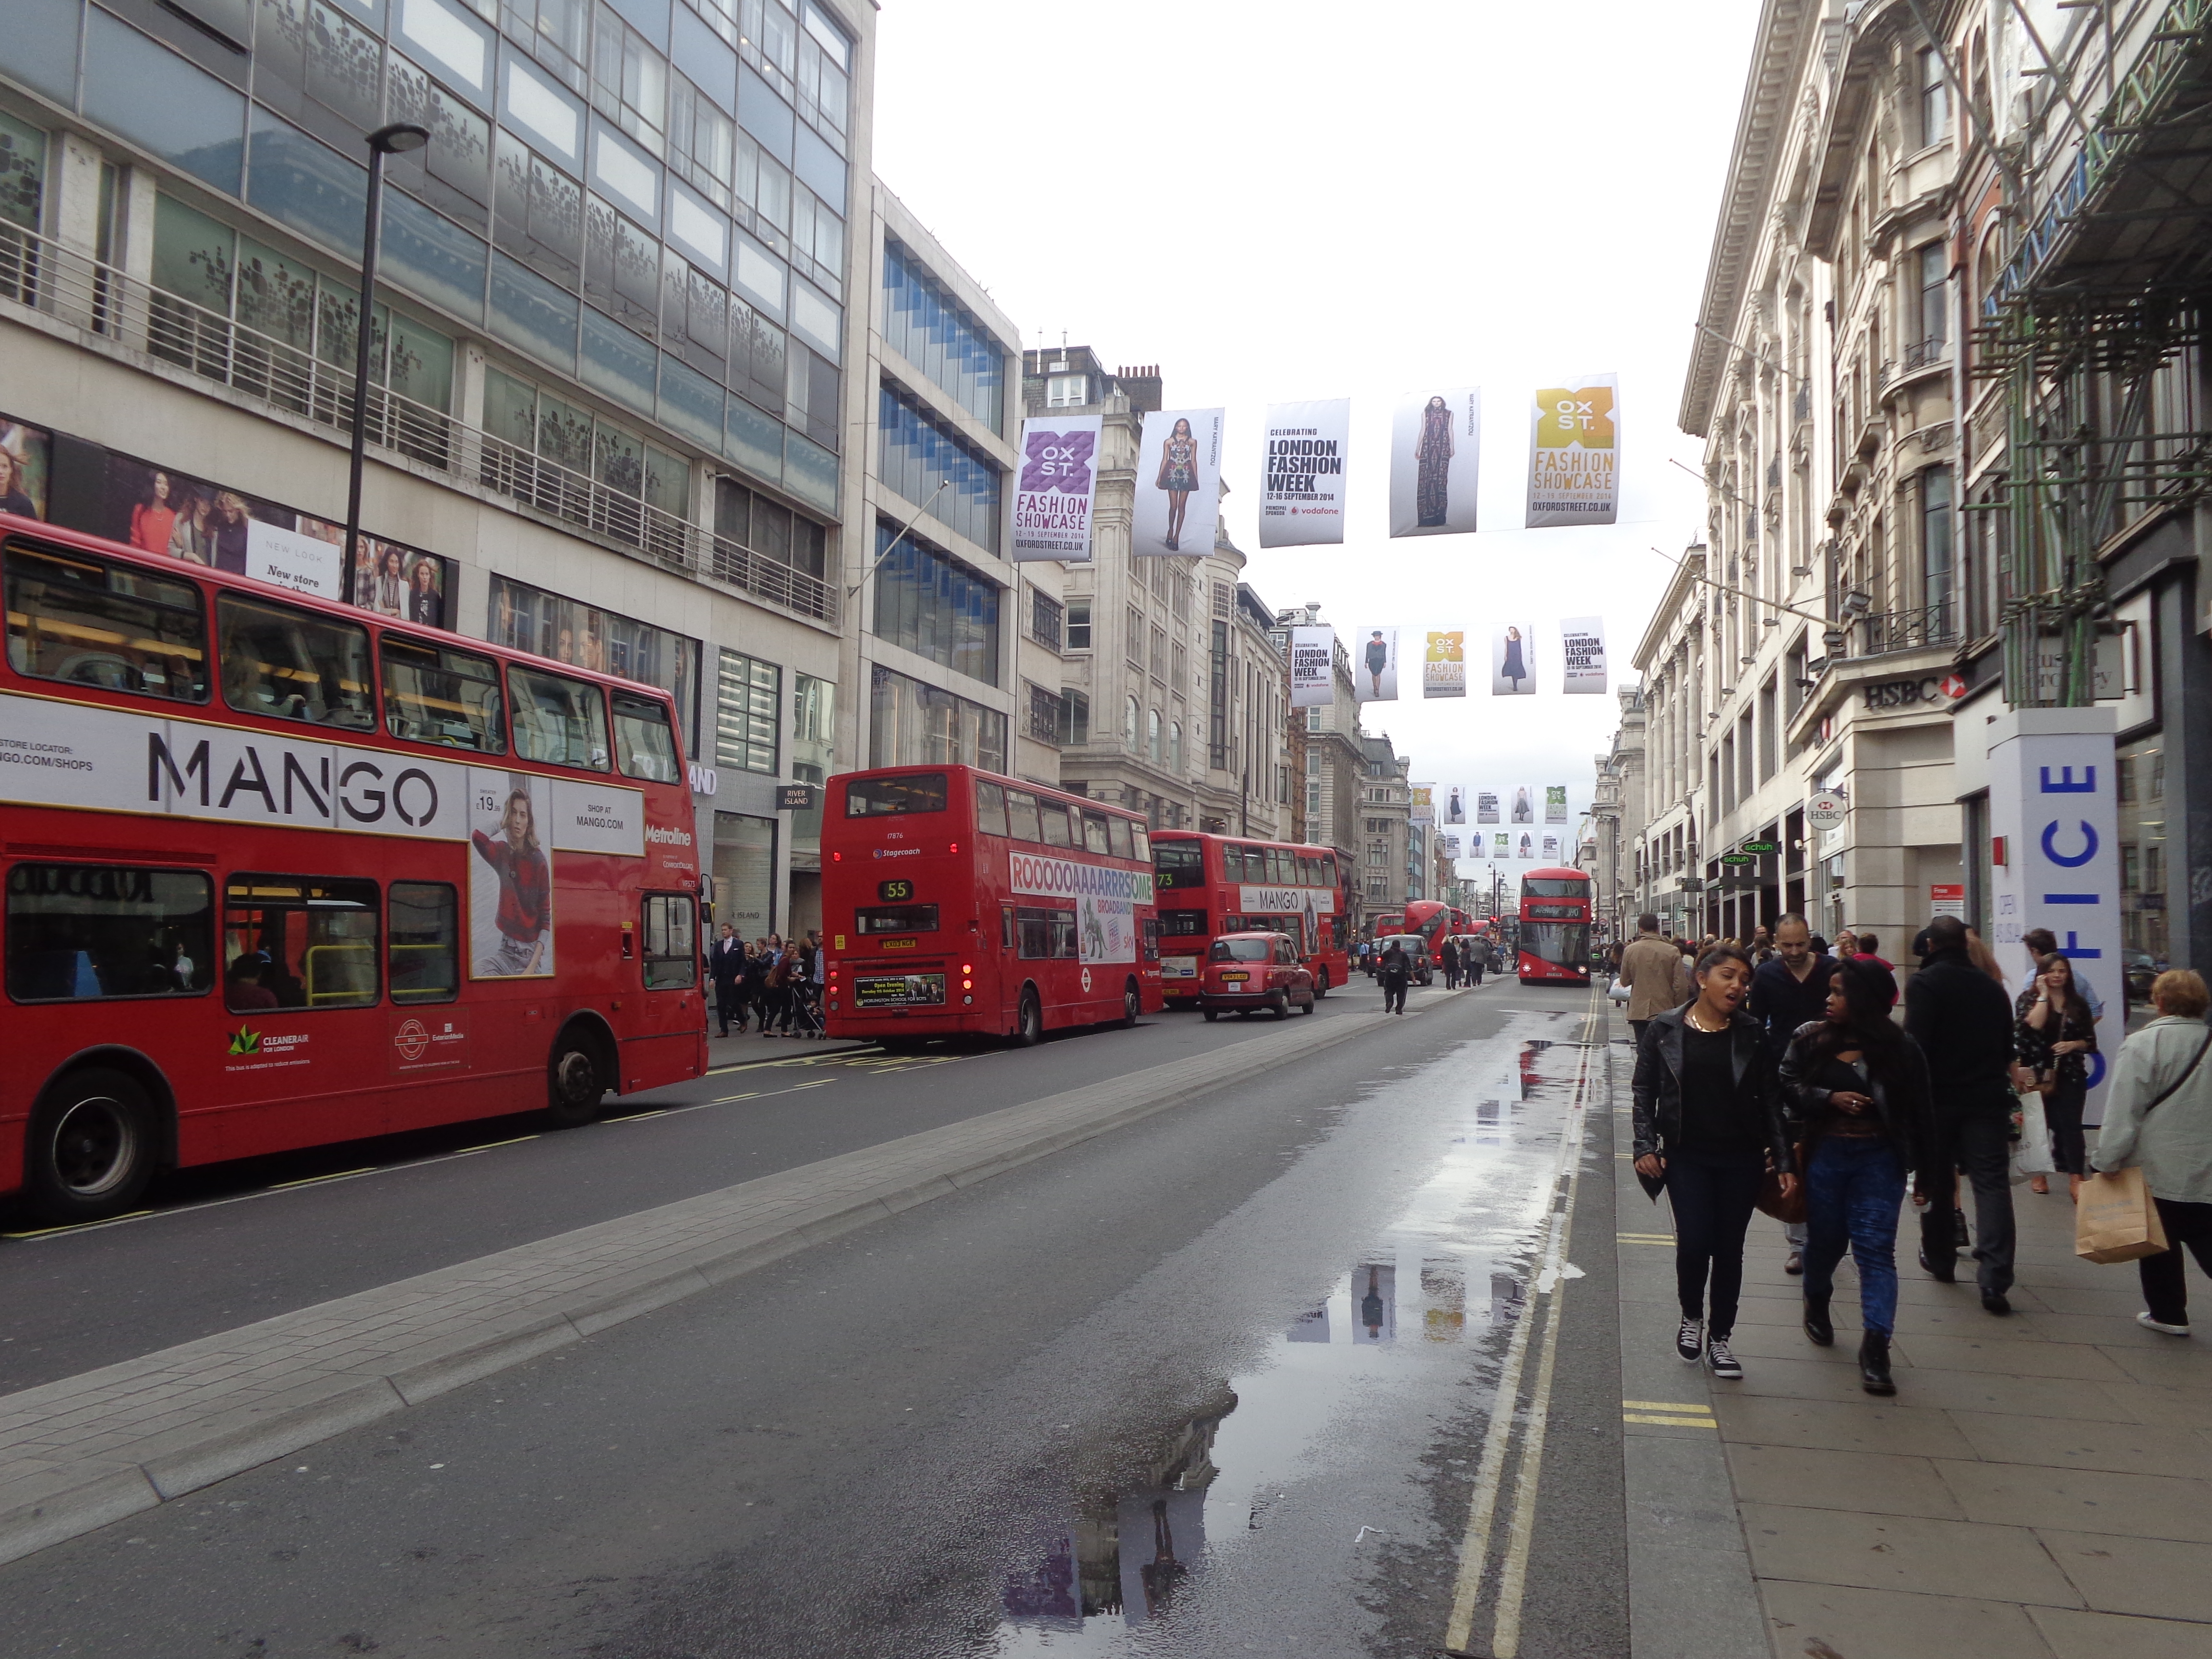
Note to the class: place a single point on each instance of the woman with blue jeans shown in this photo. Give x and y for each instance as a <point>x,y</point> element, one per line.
<point>1856,1089</point>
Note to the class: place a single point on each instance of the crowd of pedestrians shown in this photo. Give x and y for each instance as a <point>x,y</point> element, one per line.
<point>770,984</point>
<point>1773,1073</point>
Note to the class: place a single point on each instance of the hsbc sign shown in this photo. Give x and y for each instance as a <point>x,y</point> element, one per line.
<point>1905,694</point>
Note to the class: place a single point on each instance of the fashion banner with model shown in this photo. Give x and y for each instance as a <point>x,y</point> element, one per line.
<point>1513,661</point>
<point>1313,666</point>
<point>1302,489</point>
<point>1582,656</point>
<point>1455,805</point>
<point>1375,665</point>
<point>1524,806</point>
<point>1059,489</point>
<point>1178,460</point>
<point>1572,460</point>
<point>1555,803</point>
<point>1435,456</point>
<point>1443,665</point>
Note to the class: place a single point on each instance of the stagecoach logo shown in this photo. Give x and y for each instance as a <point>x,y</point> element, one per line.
<point>898,851</point>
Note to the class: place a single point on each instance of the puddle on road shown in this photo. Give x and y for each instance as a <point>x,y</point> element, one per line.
<point>1430,1301</point>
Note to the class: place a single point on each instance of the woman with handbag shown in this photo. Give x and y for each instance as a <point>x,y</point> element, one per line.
<point>2159,1118</point>
<point>1856,1089</point>
<point>2054,1033</point>
<point>1708,1122</point>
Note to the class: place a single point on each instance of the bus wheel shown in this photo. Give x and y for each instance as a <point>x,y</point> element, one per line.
<point>573,1085</point>
<point>1029,1023</point>
<point>91,1147</point>
<point>1321,983</point>
<point>1132,1005</point>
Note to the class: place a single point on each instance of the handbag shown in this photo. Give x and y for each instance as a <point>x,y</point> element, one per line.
<point>2116,1219</point>
<point>1790,1211</point>
<point>2032,1155</point>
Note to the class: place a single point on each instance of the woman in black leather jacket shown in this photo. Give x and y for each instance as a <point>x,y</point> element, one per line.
<point>1856,1087</point>
<point>1709,1122</point>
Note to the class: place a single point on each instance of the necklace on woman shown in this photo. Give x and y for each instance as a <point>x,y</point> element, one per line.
<point>1691,1015</point>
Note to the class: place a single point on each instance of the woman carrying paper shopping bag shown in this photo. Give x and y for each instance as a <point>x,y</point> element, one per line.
<point>2159,1121</point>
<point>2053,1036</point>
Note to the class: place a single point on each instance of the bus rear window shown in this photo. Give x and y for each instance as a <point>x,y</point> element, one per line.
<point>86,621</point>
<point>1562,889</point>
<point>1183,924</point>
<point>883,798</point>
<point>990,808</point>
<point>895,919</point>
<point>1180,863</point>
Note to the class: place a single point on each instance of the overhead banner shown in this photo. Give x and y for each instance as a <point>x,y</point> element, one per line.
<point>1058,490</point>
<point>1524,806</point>
<point>1178,459</point>
<point>1451,844</point>
<point>1425,804</point>
<point>1555,803</point>
<point>1436,455</point>
<point>1571,464</point>
<point>1550,849</point>
<point>1485,806</point>
<point>1444,665</point>
<point>1302,487</point>
<point>1455,805</point>
<point>1313,667</point>
<point>1375,676</point>
<point>1582,656</point>
<point>1503,845</point>
<point>1512,662</point>
<point>1526,847</point>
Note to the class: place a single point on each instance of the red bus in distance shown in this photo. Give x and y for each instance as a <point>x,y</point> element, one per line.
<point>1433,920</point>
<point>956,900</point>
<point>1555,927</point>
<point>280,874</point>
<point>1209,885</point>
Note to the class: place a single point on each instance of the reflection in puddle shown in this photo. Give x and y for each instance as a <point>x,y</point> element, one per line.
<point>1448,1272</point>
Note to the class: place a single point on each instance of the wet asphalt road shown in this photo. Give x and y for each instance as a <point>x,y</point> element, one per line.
<point>1210,1384</point>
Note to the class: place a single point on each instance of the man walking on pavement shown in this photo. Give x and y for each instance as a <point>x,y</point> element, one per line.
<point>1790,989</point>
<point>726,965</point>
<point>1394,971</point>
<point>1962,1021</point>
<point>1655,973</point>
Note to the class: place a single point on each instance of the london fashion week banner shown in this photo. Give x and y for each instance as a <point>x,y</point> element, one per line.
<point>1443,665</point>
<point>1573,459</point>
<point>1302,487</point>
<point>1513,661</point>
<point>1435,456</point>
<point>1178,470</point>
<point>1313,667</point>
<point>1375,665</point>
<point>1058,490</point>
<point>1550,849</point>
<point>1582,656</point>
<point>1485,806</point>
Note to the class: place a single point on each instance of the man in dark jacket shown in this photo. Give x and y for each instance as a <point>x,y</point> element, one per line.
<point>1394,971</point>
<point>726,965</point>
<point>1960,1018</point>
<point>1789,987</point>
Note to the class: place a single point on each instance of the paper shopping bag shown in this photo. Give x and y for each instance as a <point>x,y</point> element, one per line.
<point>2032,1156</point>
<point>2114,1220</point>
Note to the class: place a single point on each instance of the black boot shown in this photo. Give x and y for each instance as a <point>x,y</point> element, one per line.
<point>1818,1328</point>
<point>1873,1363</point>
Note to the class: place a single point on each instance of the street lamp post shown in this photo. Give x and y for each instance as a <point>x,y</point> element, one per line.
<point>397,139</point>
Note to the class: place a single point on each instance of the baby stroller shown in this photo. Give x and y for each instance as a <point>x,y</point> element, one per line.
<point>806,1010</point>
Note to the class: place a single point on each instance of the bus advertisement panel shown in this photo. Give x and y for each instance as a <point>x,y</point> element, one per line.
<point>323,856</point>
<point>957,899</point>
<point>1211,885</point>
<point>1554,945</point>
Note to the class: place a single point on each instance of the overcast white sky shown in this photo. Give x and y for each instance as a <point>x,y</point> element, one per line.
<point>1281,199</point>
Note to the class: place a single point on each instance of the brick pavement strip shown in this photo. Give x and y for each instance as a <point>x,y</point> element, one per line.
<point>77,1454</point>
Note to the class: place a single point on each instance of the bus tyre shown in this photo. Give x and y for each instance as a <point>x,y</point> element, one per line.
<point>1029,1021</point>
<point>573,1086</point>
<point>1321,983</point>
<point>1132,1005</point>
<point>91,1148</point>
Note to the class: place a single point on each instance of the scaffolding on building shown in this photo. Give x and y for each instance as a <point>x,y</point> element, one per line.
<point>2095,327</point>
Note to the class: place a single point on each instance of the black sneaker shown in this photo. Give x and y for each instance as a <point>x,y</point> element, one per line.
<point>1722,1362</point>
<point>1689,1342</point>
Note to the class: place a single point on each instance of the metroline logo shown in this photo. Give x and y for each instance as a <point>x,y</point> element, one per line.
<point>667,835</point>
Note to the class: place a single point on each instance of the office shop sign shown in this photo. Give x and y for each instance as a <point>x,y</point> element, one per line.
<point>115,759</point>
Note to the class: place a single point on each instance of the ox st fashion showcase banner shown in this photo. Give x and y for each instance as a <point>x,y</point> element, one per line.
<point>1443,664</point>
<point>1375,665</point>
<point>1573,459</point>
<point>1435,456</point>
<point>1313,667</point>
<point>1178,482</point>
<point>1058,490</point>
<point>1303,471</point>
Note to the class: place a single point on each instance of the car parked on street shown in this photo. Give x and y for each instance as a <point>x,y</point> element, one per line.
<point>1248,972</point>
<point>1417,953</point>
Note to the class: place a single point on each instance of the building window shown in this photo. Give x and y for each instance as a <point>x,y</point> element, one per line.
<point>749,696</point>
<point>1078,624</point>
<point>916,454</point>
<point>769,528</point>
<point>1935,267</point>
<point>1129,724</point>
<point>1074,716</point>
<point>1175,746</point>
<point>935,333</point>
<point>1217,710</point>
<point>1935,549</point>
<point>936,607</point>
<point>557,434</point>
<point>525,618</point>
<point>1159,658</point>
<point>1046,719</point>
<point>1047,617</point>
<point>1133,643</point>
<point>1152,736</point>
<point>1312,802</point>
<point>813,737</point>
<point>910,724</point>
<point>1066,390</point>
<point>1934,99</point>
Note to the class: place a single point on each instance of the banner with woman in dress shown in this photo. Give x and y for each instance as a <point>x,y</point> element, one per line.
<point>1436,459</point>
<point>1180,458</point>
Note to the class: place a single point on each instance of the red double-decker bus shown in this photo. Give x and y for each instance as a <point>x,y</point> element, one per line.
<point>281,873</point>
<point>957,899</point>
<point>1434,921</point>
<point>1214,885</point>
<point>1555,927</point>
